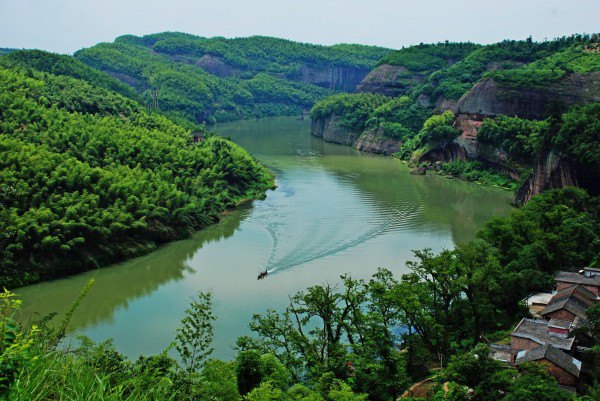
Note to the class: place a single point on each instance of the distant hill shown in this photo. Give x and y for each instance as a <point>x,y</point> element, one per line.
<point>493,113</point>
<point>218,79</point>
<point>5,50</point>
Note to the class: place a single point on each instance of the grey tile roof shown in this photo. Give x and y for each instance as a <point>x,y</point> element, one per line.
<point>569,304</point>
<point>537,331</point>
<point>554,355</point>
<point>580,292</point>
<point>576,299</point>
<point>563,324</point>
<point>577,278</point>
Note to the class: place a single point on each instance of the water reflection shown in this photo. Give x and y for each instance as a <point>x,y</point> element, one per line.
<point>336,211</point>
<point>117,285</point>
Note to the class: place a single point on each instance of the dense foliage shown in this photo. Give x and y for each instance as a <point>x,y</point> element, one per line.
<point>429,57</point>
<point>57,64</point>
<point>521,139</point>
<point>575,59</point>
<point>579,134</point>
<point>259,76</point>
<point>261,53</point>
<point>446,71</point>
<point>356,341</point>
<point>397,118</point>
<point>88,177</point>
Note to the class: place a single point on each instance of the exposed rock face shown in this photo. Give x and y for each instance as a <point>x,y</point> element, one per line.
<point>215,65</point>
<point>376,142</point>
<point>370,141</point>
<point>389,80</point>
<point>488,98</point>
<point>466,147</point>
<point>331,76</point>
<point>551,171</point>
<point>554,170</point>
<point>329,129</point>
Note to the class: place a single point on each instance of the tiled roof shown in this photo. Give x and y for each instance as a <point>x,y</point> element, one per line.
<point>563,324</point>
<point>552,354</point>
<point>537,331</point>
<point>569,304</point>
<point>576,278</point>
<point>576,299</point>
<point>581,293</point>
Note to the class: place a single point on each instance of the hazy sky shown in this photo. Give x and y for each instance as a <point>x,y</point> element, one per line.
<point>67,25</point>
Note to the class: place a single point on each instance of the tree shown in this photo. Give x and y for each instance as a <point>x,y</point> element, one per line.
<point>248,371</point>
<point>195,334</point>
<point>218,382</point>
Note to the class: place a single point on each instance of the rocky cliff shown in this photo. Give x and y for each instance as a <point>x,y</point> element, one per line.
<point>369,141</point>
<point>489,98</point>
<point>330,76</point>
<point>330,130</point>
<point>341,78</point>
<point>554,170</point>
<point>389,80</point>
<point>466,147</point>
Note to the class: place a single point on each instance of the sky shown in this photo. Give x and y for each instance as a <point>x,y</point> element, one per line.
<point>65,26</point>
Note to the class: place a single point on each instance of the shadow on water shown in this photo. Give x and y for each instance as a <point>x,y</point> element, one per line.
<point>117,285</point>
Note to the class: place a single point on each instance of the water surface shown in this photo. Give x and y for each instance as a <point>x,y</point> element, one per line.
<point>335,211</point>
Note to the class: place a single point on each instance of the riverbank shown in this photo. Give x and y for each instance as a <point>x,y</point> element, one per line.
<point>335,211</point>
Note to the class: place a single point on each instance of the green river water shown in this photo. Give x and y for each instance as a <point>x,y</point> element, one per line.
<point>335,211</point>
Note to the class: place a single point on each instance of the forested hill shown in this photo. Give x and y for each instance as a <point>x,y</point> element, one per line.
<point>517,113</point>
<point>66,65</point>
<point>89,177</point>
<point>219,79</point>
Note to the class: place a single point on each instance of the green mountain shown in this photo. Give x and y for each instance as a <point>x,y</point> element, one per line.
<point>89,177</point>
<point>493,113</point>
<point>218,79</point>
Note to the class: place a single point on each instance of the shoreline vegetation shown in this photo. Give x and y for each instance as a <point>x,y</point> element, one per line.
<point>342,343</point>
<point>90,177</point>
<point>484,113</point>
<point>102,164</point>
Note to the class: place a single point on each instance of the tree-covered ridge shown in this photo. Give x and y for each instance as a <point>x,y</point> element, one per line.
<point>5,50</point>
<point>579,59</point>
<point>451,69</point>
<point>513,65</point>
<point>189,92</point>
<point>58,64</point>
<point>83,183</point>
<point>429,57</point>
<point>260,53</point>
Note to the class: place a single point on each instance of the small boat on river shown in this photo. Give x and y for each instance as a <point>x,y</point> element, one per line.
<point>262,275</point>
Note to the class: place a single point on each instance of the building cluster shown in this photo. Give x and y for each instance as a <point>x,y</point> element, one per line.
<point>557,336</point>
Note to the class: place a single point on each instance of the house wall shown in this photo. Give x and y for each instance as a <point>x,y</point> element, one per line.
<point>561,314</point>
<point>564,333</point>
<point>563,377</point>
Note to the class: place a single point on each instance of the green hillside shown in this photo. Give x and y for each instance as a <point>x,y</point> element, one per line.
<point>218,79</point>
<point>89,177</point>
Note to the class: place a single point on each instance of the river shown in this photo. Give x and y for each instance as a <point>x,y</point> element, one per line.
<point>335,211</point>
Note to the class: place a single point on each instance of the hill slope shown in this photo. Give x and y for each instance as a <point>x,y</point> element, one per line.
<point>89,177</point>
<point>218,79</point>
<point>513,82</point>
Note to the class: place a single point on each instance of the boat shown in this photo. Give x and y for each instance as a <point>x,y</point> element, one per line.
<point>262,275</point>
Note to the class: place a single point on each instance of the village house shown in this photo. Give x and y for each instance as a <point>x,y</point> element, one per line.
<point>570,304</point>
<point>532,333</point>
<point>591,282</point>
<point>564,368</point>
